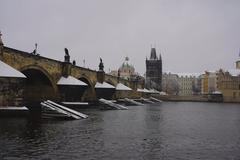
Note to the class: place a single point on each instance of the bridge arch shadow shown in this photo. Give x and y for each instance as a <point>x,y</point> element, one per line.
<point>106,93</point>
<point>39,85</point>
<point>89,94</point>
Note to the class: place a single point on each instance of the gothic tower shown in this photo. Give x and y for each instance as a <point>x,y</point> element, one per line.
<point>154,71</point>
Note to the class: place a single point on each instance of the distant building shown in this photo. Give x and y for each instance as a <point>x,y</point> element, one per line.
<point>223,82</point>
<point>188,84</point>
<point>170,83</point>
<point>154,71</point>
<point>182,84</point>
<point>229,83</point>
<point>127,71</point>
<point>209,82</point>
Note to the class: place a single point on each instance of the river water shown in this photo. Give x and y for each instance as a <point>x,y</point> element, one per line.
<point>168,131</point>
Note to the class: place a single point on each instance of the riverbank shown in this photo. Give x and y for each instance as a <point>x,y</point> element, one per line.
<point>196,98</point>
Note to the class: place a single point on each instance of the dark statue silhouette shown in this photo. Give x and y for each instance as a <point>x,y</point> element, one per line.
<point>66,57</point>
<point>101,66</point>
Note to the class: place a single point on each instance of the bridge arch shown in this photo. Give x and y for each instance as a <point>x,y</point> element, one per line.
<point>89,93</point>
<point>39,84</point>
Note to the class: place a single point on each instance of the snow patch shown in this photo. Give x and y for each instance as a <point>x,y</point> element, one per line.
<point>217,92</point>
<point>70,81</point>
<point>103,85</point>
<point>122,87</point>
<point>139,90</point>
<point>143,90</point>
<point>8,71</point>
<point>154,91</point>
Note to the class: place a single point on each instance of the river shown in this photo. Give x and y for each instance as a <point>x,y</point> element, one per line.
<point>168,131</point>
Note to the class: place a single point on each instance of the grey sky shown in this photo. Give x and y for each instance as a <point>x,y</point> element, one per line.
<point>192,35</point>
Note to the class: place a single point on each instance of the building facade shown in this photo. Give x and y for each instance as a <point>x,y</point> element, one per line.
<point>209,82</point>
<point>154,71</point>
<point>229,85</point>
<point>182,84</point>
<point>188,84</point>
<point>170,83</point>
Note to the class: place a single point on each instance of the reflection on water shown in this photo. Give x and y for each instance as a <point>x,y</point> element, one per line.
<point>166,131</point>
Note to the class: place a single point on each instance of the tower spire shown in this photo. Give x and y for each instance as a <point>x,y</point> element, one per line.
<point>153,54</point>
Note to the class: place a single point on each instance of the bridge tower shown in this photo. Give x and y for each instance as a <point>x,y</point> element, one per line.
<point>154,71</point>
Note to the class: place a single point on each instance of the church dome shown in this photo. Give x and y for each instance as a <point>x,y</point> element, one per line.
<point>126,69</point>
<point>127,65</point>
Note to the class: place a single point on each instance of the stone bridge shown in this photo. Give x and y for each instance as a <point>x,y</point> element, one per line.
<point>43,74</point>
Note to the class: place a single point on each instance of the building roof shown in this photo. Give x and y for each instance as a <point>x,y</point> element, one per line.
<point>183,74</point>
<point>8,71</point>
<point>188,74</point>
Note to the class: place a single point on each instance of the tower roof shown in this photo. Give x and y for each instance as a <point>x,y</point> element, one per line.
<point>153,54</point>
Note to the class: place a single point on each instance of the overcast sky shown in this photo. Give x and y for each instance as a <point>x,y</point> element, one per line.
<point>191,35</point>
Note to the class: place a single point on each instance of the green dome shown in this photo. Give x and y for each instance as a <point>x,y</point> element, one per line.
<point>126,64</point>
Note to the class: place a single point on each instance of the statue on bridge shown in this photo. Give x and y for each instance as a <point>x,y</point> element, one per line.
<point>101,66</point>
<point>66,57</point>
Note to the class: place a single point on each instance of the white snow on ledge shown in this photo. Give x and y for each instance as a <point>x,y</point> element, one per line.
<point>143,90</point>
<point>122,87</point>
<point>163,93</point>
<point>146,90</point>
<point>8,71</point>
<point>154,91</point>
<point>217,92</point>
<point>139,90</point>
<point>103,85</point>
<point>70,81</point>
